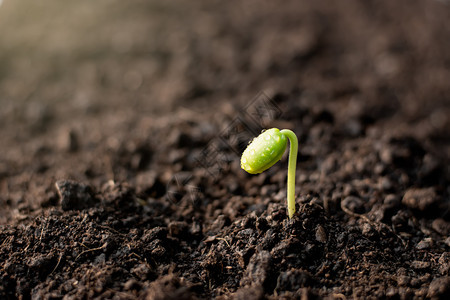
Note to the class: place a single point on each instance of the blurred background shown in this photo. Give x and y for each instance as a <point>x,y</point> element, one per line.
<point>108,75</point>
<point>64,61</point>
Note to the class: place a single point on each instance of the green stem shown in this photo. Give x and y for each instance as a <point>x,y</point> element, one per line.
<point>293,150</point>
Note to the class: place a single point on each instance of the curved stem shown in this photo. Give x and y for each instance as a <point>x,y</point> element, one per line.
<point>293,150</point>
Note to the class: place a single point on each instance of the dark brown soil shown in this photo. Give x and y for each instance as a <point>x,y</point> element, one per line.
<point>121,125</point>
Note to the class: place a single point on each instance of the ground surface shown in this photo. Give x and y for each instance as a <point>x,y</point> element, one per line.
<point>121,124</point>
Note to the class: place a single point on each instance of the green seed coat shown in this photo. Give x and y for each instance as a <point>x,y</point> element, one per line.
<point>264,151</point>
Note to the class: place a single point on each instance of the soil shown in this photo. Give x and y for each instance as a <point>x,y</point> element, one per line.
<point>122,122</point>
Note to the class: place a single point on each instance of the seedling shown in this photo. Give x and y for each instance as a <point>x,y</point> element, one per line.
<point>266,150</point>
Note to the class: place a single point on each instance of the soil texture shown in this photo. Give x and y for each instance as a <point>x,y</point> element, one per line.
<point>122,125</point>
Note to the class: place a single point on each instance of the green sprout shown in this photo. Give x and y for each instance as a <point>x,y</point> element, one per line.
<point>266,150</point>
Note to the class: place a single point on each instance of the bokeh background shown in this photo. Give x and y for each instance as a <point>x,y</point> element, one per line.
<point>63,61</point>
